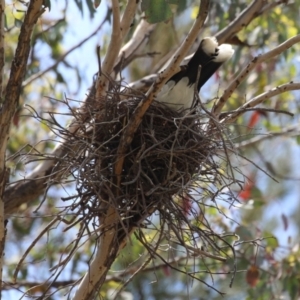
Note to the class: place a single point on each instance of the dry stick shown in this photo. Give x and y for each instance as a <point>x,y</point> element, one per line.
<point>258,109</point>
<point>183,271</point>
<point>244,73</point>
<point>140,110</point>
<point>118,278</point>
<point>196,251</point>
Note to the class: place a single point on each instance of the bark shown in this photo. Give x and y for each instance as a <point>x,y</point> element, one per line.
<point>9,100</point>
<point>2,158</point>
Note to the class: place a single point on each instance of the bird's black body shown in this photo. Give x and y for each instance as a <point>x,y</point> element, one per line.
<point>178,92</point>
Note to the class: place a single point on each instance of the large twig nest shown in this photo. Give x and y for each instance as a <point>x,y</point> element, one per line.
<point>170,151</point>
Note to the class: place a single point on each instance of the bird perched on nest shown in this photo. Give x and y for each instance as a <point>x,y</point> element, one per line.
<point>178,92</point>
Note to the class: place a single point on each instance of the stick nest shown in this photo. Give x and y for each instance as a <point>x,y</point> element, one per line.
<point>171,152</point>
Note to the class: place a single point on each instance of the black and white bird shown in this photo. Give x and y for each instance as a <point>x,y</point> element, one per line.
<point>178,92</point>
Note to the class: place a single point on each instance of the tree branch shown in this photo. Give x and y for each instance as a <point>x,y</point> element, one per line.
<point>107,250</point>
<point>290,131</point>
<point>128,16</point>
<point>140,36</point>
<point>13,88</point>
<point>140,110</point>
<point>3,174</point>
<point>259,99</point>
<point>18,68</point>
<point>241,21</point>
<point>246,71</point>
<point>2,54</point>
<point>271,5</point>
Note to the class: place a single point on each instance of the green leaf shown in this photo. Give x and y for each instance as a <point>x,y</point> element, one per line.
<point>5,22</point>
<point>156,10</point>
<point>272,241</point>
<point>60,78</point>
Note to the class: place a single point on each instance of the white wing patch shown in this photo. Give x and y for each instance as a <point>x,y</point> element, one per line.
<point>179,96</point>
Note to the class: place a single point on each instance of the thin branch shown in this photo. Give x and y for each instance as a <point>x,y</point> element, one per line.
<point>15,275</point>
<point>272,5</point>
<point>140,36</point>
<point>241,21</point>
<point>258,109</point>
<point>23,191</point>
<point>61,58</point>
<point>290,131</point>
<point>140,110</point>
<point>259,99</point>
<point>246,71</point>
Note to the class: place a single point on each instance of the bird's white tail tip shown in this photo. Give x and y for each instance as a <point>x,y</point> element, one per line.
<point>225,52</point>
